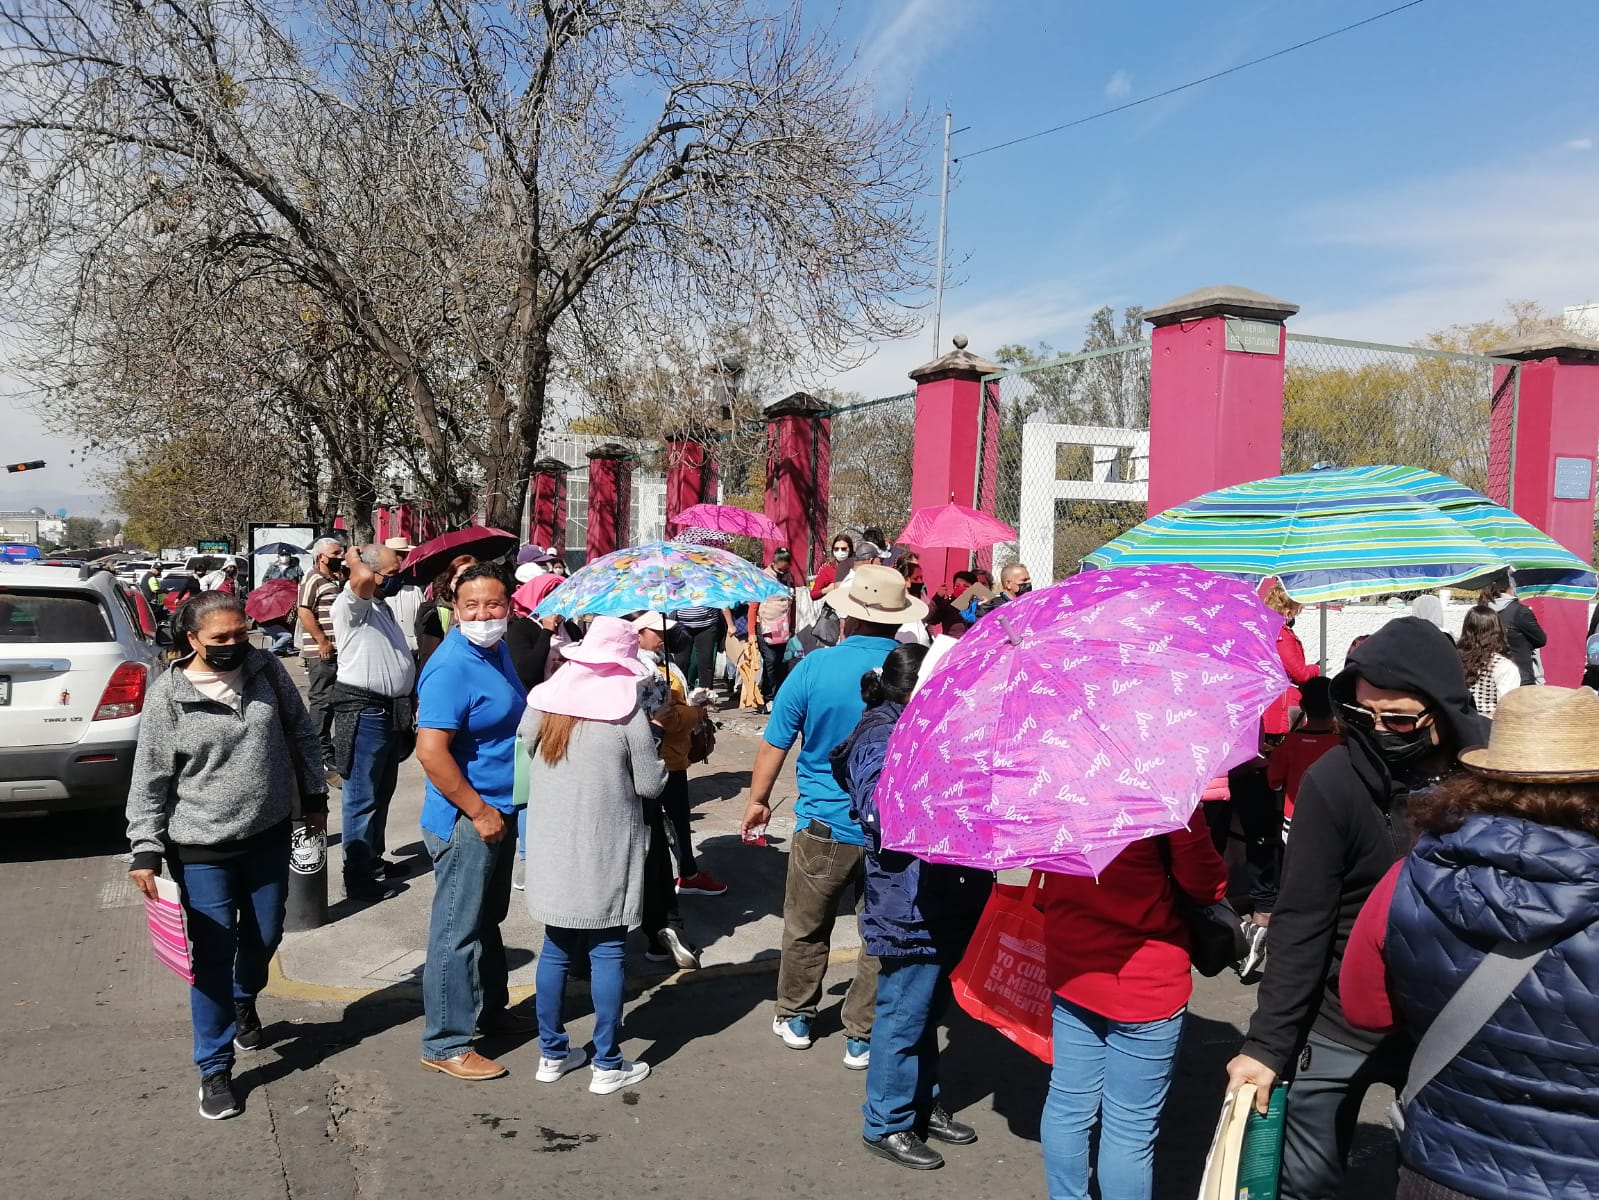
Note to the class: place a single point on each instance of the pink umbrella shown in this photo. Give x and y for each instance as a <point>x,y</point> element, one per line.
<point>954,526</point>
<point>482,542</point>
<point>729,520</point>
<point>1079,718</point>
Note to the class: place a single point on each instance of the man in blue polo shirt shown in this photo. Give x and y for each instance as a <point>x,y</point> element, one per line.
<point>469,704</point>
<point>820,704</point>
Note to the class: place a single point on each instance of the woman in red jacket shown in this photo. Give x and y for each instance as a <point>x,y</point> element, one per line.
<point>835,568</point>
<point>1116,952</point>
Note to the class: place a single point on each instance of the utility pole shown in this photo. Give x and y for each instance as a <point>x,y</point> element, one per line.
<point>943,235</point>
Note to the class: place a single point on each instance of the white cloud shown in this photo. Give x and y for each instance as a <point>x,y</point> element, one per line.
<point>1119,86</point>
<point>1582,143</point>
<point>1456,248</point>
<point>911,33</point>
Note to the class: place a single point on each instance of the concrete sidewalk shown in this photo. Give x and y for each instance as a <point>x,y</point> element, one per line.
<point>370,947</point>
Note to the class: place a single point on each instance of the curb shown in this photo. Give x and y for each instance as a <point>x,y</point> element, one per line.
<point>281,987</point>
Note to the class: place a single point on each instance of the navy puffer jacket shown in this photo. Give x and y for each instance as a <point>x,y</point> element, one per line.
<point>913,909</point>
<point>1516,1115</point>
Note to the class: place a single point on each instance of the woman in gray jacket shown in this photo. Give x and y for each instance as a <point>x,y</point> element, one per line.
<point>224,743</point>
<point>592,757</point>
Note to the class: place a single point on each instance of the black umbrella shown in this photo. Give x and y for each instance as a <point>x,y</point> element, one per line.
<point>279,548</point>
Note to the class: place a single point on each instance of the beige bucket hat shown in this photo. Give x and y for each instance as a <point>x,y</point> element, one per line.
<point>877,594</point>
<point>1541,735</point>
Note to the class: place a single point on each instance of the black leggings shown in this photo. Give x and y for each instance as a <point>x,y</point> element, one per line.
<point>660,889</point>
<point>674,802</point>
<point>697,656</point>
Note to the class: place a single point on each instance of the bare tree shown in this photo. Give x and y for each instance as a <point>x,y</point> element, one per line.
<point>458,186</point>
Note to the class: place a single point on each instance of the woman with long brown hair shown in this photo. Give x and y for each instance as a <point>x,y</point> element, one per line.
<point>1507,866</point>
<point>1485,655</point>
<point>592,758</point>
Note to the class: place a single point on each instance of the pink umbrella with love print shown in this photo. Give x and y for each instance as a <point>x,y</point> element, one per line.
<point>1077,719</point>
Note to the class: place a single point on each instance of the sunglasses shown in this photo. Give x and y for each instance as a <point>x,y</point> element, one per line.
<point>1364,718</point>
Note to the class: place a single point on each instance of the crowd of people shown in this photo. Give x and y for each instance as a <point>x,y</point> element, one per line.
<point>556,756</point>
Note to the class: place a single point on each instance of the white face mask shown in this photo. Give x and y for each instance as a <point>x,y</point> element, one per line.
<point>484,633</point>
<point>841,555</point>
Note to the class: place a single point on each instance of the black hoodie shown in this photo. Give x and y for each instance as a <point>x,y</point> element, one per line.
<point>1349,828</point>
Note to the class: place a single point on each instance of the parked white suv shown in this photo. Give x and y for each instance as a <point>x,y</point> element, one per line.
<point>76,656</point>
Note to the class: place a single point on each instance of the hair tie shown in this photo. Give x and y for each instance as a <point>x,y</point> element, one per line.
<point>878,671</point>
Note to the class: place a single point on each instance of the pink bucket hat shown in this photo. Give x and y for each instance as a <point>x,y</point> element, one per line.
<point>526,598</point>
<point>600,679</point>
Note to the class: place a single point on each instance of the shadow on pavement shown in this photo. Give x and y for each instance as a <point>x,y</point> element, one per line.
<point>91,833</point>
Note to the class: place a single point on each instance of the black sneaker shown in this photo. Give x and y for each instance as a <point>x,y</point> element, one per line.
<point>217,1101</point>
<point>247,1034</point>
<point>370,890</point>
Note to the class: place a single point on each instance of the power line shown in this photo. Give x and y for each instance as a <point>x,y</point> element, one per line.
<point>1192,83</point>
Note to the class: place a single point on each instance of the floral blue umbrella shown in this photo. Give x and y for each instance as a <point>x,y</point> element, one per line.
<point>659,577</point>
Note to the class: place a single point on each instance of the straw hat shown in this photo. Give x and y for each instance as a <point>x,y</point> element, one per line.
<point>400,545</point>
<point>1541,735</point>
<point>599,681</point>
<point>877,594</point>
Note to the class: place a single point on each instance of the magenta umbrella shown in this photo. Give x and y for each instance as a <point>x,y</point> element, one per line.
<point>954,526</point>
<point>1074,720</point>
<point>482,542</point>
<point>729,520</point>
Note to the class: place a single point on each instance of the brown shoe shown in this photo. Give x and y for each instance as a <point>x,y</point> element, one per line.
<point>470,1066</point>
<point>507,1020</point>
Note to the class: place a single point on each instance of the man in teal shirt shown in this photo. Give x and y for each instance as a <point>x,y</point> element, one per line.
<point>820,704</point>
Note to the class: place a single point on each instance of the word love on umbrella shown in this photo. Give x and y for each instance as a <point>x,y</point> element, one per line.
<point>1077,719</point>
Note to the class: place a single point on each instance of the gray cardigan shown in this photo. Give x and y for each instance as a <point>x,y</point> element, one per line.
<point>206,773</point>
<point>586,836</point>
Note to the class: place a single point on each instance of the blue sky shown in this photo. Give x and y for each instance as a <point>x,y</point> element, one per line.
<point>1414,173</point>
<point>1402,177</point>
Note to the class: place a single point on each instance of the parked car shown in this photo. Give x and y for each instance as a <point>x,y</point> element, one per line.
<point>76,655</point>
<point>129,570</point>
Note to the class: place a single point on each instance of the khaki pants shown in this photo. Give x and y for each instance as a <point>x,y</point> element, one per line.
<point>819,869</point>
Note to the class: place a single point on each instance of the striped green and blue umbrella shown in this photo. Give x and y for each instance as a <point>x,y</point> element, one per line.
<point>1359,531</point>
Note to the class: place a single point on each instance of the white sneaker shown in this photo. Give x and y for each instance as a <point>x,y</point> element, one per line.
<point>551,1069</point>
<point>606,1082</point>
<point>1255,958</point>
<point>795,1031</point>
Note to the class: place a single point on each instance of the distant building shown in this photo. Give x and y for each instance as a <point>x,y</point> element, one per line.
<point>33,526</point>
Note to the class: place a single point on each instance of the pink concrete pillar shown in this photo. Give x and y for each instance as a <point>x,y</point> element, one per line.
<point>799,433</point>
<point>1215,392</point>
<point>1541,464</point>
<point>690,476</point>
<point>380,524</point>
<point>950,421</point>
<point>546,525</point>
<point>610,495</point>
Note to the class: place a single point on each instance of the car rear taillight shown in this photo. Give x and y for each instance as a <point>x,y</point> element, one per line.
<point>124,695</point>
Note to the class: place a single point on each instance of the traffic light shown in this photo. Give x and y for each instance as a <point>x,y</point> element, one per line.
<point>13,468</point>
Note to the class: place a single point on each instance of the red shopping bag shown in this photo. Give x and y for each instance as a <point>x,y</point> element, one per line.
<point>1001,980</point>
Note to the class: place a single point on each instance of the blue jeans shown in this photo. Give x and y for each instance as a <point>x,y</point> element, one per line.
<point>902,1078</point>
<point>234,910</point>
<point>374,770</point>
<point>521,833</point>
<point>465,975</point>
<point>282,638</point>
<point>604,948</point>
<point>1127,1067</point>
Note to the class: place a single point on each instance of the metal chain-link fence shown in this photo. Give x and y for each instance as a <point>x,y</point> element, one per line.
<point>1352,404</point>
<point>1069,466</point>
<point>873,449</point>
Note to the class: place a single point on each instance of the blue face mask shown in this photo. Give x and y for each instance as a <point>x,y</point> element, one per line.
<point>390,586</point>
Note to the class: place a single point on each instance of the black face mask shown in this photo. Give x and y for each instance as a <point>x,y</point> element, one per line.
<point>1023,588</point>
<point>390,586</point>
<point>1403,752</point>
<point>226,658</point>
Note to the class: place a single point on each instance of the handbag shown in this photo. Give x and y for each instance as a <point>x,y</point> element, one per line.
<point>702,741</point>
<point>826,630</point>
<point>1001,980</point>
<point>1487,987</point>
<point>1215,933</point>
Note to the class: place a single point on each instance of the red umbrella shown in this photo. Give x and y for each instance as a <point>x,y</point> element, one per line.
<point>956,527</point>
<point>272,601</point>
<point>480,541</point>
<point>729,520</point>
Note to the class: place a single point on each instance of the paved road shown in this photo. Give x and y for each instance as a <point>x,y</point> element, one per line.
<point>100,1097</point>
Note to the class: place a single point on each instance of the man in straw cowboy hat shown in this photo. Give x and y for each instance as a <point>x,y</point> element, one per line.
<point>1407,714</point>
<point>819,705</point>
<point>1506,872</point>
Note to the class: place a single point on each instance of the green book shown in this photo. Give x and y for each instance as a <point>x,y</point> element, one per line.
<point>1261,1155</point>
